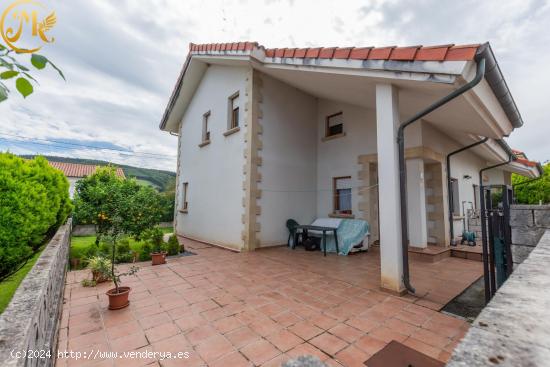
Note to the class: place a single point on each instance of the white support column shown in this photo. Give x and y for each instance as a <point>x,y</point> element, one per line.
<point>416,204</point>
<point>387,123</point>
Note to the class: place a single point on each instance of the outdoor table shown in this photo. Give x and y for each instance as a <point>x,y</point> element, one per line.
<point>306,227</point>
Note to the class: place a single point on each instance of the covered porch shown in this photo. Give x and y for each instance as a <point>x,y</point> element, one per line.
<point>264,307</point>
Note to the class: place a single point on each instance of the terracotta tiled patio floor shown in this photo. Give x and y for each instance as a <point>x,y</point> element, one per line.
<point>261,308</point>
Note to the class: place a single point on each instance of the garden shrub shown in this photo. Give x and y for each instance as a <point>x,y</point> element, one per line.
<point>529,191</point>
<point>34,202</point>
<point>145,252</point>
<point>123,252</point>
<point>173,246</point>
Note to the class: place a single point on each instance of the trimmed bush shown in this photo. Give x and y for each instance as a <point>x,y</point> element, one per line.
<point>34,202</point>
<point>173,246</point>
<point>145,252</point>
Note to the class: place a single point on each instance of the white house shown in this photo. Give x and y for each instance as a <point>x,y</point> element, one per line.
<point>271,134</point>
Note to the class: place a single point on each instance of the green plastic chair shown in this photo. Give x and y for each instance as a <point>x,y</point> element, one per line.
<point>292,227</point>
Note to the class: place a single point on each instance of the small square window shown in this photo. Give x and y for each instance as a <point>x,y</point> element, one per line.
<point>233,113</point>
<point>205,129</point>
<point>334,124</point>
<point>342,195</point>
<point>185,204</point>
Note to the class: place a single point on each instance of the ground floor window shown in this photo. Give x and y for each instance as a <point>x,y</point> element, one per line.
<point>342,195</point>
<point>184,192</point>
<point>455,207</point>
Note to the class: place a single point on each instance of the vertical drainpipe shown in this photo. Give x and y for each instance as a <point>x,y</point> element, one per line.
<point>489,282</point>
<point>480,72</point>
<point>449,186</point>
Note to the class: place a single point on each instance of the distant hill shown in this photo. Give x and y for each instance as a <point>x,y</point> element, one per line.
<point>161,180</point>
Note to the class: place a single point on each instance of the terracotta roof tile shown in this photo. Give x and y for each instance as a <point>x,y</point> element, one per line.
<point>80,170</point>
<point>404,53</point>
<point>342,53</point>
<point>410,53</point>
<point>380,53</point>
<point>360,53</point>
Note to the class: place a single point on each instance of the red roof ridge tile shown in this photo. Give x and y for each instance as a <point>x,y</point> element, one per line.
<point>446,52</point>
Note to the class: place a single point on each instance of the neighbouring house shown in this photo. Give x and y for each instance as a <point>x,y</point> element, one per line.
<point>271,134</point>
<point>76,171</point>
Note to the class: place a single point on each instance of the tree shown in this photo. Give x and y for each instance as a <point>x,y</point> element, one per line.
<point>528,191</point>
<point>115,204</point>
<point>11,68</point>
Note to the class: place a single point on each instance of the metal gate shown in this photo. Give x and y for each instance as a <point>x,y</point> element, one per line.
<point>496,236</point>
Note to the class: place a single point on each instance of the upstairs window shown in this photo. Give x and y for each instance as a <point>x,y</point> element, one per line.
<point>334,125</point>
<point>233,106</point>
<point>342,195</point>
<point>205,130</point>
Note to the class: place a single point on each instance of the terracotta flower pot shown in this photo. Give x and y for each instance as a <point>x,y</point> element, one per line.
<point>118,300</point>
<point>158,258</point>
<point>98,277</point>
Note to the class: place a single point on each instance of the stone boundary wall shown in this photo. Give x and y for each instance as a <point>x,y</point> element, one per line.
<point>29,323</point>
<point>514,328</point>
<point>529,223</point>
<point>89,229</point>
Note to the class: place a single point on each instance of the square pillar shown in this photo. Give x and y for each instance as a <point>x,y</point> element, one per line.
<point>387,123</point>
<point>416,203</point>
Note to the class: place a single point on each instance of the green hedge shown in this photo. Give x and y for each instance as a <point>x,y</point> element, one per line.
<point>34,201</point>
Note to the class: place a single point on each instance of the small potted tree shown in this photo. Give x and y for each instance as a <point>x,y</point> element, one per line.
<point>155,237</point>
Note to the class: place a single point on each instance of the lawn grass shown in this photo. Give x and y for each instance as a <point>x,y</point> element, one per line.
<point>10,284</point>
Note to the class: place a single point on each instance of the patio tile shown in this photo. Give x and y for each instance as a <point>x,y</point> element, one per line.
<point>369,344</point>
<point>306,349</point>
<point>227,324</point>
<point>129,342</point>
<point>96,337</point>
<point>200,334</point>
<point>260,352</point>
<point>346,332</point>
<point>190,322</point>
<point>387,335</point>
<point>431,338</point>
<point>242,336</point>
<point>121,330</point>
<point>284,340</point>
<point>84,328</point>
<point>265,327</point>
<point>287,318</point>
<point>400,326</point>
<point>352,357</point>
<point>305,330</point>
<point>363,324</point>
<point>162,332</point>
<point>173,344</point>
<point>135,362</point>
<point>154,320</point>
<point>328,343</point>
<point>323,321</point>
<point>277,361</point>
<point>214,348</point>
<point>422,347</point>
<point>113,318</point>
<point>234,359</point>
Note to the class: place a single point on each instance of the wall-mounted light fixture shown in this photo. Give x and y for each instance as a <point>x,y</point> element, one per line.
<point>467,177</point>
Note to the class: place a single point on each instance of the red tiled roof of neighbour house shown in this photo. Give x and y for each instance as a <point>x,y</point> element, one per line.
<point>449,52</point>
<point>80,170</point>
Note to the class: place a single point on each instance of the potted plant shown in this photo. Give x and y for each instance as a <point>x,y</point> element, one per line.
<point>155,237</point>
<point>118,296</point>
<point>100,267</point>
<point>173,246</point>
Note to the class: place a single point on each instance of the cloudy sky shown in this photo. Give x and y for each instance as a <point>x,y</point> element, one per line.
<point>122,58</point>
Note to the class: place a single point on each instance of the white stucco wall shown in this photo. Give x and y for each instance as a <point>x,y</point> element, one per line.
<point>289,159</point>
<point>338,157</point>
<point>214,172</point>
<point>72,185</point>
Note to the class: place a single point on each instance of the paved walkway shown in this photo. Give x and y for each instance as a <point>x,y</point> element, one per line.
<point>262,308</point>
